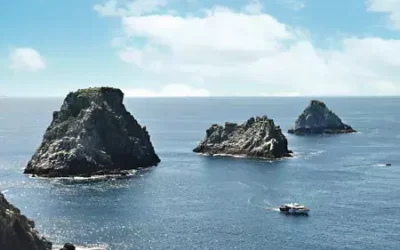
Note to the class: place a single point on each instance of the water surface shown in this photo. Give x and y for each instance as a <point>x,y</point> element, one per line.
<point>197,202</point>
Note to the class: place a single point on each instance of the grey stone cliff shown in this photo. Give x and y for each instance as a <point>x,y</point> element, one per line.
<point>92,134</point>
<point>257,137</point>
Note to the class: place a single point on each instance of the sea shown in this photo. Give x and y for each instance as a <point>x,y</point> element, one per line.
<point>191,201</point>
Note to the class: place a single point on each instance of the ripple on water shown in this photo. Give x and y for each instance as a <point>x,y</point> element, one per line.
<point>307,154</point>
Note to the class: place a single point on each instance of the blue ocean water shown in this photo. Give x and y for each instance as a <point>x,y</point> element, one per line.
<point>196,202</point>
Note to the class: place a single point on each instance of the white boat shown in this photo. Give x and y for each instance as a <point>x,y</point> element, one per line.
<point>294,208</point>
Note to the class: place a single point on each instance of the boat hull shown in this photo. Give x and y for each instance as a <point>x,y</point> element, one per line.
<point>283,209</point>
<point>290,210</point>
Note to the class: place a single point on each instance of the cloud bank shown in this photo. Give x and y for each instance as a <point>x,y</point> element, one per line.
<point>170,90</point>
<point>389,7</point>
<point>248,47</point>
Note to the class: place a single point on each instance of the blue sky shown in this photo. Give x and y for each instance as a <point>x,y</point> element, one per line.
<point>201,47</point>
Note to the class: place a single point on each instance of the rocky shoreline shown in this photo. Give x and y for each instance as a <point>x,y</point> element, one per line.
<point>17,232</point>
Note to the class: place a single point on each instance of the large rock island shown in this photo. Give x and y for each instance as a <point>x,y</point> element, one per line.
<point>318,119</point>
<point>18,232</point>
<point>92,134</point>
<point>258,137</point>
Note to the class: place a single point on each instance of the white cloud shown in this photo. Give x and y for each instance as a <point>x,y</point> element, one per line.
<point>109,9</point>
<point>245,51</point>
<point>390,7</point>
<point>26,59</point>
<point>256,7</point>
<point>253,7</point>
<point>170,90</point>
<point>221,30</point>
<point>131,8</point>
<point>295,5</point>
<point>140,7</point>
<point>118,42</point>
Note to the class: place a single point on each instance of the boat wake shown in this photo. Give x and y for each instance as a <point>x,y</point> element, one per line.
<point>4,191</point>
<point>381,165</point>
<point>265,206</point>
<point>243,184</point>
<point>275,209</point>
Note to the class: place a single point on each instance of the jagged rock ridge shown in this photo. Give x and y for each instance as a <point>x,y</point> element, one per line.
<point>257,137</point>
<point>18,232</point>
<point>318,119</point>
<point>92,134</point>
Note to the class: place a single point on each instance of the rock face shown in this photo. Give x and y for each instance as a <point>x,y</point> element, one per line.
<point>92,134</point>
<point>258,137</point>
<point>18,232</point>
<point>318,119</point>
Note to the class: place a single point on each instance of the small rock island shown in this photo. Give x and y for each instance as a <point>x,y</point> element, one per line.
<point>257,137</point>
<point>18,232</point>
<point>92,134</point>
<point>318,119</point>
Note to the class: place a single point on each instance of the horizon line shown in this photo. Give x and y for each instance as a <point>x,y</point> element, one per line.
<point>222,96</point>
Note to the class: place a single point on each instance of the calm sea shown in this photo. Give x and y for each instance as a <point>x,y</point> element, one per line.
<point>197,202</point>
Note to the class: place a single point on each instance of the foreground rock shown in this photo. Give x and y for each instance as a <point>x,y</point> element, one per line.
<point>18,232</point>
<point>318,119</point>
<point>92,134</point>
<point>258,137</point>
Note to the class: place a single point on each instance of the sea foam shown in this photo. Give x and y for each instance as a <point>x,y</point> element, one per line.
<point>94,177</point>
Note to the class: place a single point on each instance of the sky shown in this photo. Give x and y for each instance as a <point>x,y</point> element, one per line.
<point>169,48</point>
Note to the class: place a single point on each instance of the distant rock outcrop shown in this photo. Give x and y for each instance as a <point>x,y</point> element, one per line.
<point>318,119</point>
<point>258,137</point>
<point>92,134</point>
<point>18,232</point>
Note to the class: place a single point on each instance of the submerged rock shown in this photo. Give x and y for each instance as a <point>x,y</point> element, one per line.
<point>318,119</point>
<point>258,137</point>
<point>68,246</point>
<point>18,232</point>
<point>92,134</point>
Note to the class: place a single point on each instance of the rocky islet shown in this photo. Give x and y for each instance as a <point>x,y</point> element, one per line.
<point>318,119</point>
<point>258,137</point>
<point>92,134</point>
